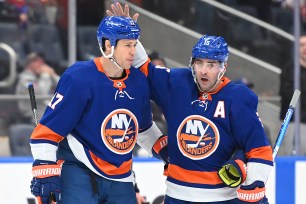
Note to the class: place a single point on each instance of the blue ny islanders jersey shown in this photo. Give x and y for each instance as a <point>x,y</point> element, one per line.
<point>101,116</point>
<point>203,132</point>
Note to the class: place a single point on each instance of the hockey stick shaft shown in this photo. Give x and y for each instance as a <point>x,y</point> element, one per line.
<point>286,122</point>
<point>33,103</point>
<point>35,115</point>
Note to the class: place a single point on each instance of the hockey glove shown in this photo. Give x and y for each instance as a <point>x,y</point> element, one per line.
<point>254,193</point>
<point>160,151</point>
<point>46,181</point>
<point>233,172</point>
<point>140,56</point>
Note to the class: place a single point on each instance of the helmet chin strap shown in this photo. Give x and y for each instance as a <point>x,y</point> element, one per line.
<point>220,75</point>
<point>111,58</point>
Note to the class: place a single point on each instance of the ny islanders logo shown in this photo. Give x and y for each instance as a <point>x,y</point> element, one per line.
<point>119,131</point>
<point>197,137</point>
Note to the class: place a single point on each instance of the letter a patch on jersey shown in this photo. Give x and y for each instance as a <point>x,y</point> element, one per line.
<point>220,110</point>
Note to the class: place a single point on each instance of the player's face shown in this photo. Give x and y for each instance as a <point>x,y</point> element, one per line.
<point>124,52</point>
<point>303,48</point>
<point>206,72</point>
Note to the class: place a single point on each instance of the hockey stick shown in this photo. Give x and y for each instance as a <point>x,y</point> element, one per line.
<point>286,122</point>
<point>33,103</point>
<point>36,120</point>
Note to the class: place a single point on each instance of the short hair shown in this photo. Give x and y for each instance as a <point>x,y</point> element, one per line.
<point>156,56</point>
<point>32,57</point>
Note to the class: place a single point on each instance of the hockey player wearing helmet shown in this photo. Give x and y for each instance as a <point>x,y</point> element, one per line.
<point>109,33</point>
<point>92,124</point>
<point>208,62</point>
<point>208,119</point>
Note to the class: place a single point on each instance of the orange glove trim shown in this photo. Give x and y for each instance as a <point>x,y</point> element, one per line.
<point>243,169</point>
<point>44,171</point>
<point>251,195</point>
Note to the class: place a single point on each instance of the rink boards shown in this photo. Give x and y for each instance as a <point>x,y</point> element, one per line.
<point>286,184</point>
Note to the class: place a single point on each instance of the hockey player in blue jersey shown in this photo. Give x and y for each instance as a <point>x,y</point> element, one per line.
<point>92,124</point>
<point>208,119</point>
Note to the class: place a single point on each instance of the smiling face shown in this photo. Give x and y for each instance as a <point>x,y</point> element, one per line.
<point>207,73</point>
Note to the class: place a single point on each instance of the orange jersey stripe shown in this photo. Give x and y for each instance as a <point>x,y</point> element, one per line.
<point>145,67</point>
<point>109,168</point>
<point>261,153</point>
<point>45,133</point>
<point>100,68</point>
<point>189,176</point>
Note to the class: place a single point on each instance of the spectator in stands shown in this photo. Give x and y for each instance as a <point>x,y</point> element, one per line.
<point>286,92</point>
<point>157,59</point>
<point>50,10</point>
<point>289,4</point>
<point>44,79</point>
<point>22,10</point>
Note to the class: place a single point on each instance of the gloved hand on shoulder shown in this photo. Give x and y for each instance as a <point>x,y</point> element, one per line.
<point>234,172</point>
<point>46,181</point>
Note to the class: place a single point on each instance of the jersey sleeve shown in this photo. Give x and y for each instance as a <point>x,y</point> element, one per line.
<point>159,81</point>
<point>62,114</point>
<point>249,133</point>
<point>149,133</point>
<point>146,119</point>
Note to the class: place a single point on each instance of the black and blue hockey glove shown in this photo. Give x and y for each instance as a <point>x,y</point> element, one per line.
<point>254,193</point>
<point>46,181</point>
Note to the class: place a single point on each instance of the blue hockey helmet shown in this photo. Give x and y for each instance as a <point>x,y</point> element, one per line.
<point>115,28</point>
<point>211,47</point>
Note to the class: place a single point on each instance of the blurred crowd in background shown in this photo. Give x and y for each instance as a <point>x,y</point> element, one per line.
<point>37,31</point>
